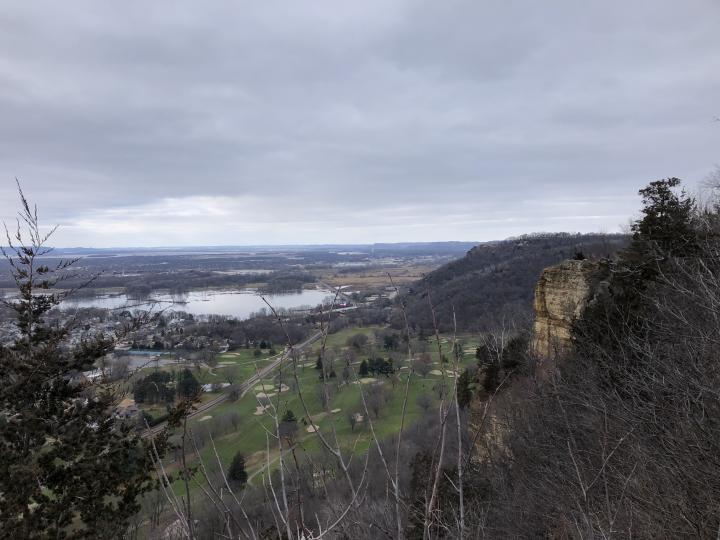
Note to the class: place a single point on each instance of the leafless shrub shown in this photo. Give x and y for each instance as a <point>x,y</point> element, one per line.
<point>424,402</point>
<point>423,364</point>
<point>335,492</point>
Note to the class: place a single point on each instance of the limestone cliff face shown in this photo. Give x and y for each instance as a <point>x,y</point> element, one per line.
<point>561,295</point>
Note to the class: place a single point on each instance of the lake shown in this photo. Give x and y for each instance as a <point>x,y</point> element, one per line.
<point>239,304</point>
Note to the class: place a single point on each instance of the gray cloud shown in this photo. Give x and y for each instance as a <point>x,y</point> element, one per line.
<point>176,123</point>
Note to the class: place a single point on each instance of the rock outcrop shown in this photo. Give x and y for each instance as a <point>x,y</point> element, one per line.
<point>561,295</point>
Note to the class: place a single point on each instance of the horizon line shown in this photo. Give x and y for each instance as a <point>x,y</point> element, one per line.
<point>330,245</point>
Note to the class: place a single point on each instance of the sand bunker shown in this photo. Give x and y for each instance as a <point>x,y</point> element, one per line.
<point>448,373</point>
<point>367,380</point>
<point>264,388</point>
<point>336,411</point>
<point>259,410</point>
<point>311,429</point>
<point>263,395</point>
<point>208,417</point>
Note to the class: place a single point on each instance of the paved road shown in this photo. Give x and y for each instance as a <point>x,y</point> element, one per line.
<point>243,388</point>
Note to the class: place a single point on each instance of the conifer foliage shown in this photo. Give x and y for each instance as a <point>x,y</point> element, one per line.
<point>68,468</point>
<point>237,473</point>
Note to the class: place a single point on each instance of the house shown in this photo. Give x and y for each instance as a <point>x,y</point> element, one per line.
<point>214,387</point>
<point>126,408</point>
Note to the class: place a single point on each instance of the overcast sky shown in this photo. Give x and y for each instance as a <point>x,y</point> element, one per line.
<point>189,123</point>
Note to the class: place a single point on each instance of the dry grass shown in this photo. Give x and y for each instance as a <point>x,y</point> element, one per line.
<point>377,277</point>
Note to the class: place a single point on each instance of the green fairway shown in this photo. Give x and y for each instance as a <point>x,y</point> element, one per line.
<point>230,368</point>
<point>249,433</point>
<point>339,339</point>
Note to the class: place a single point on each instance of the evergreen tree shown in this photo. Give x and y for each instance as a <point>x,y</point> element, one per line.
<point>667,222</point>
<point>154,389</point>
<point>391,341</point>
<point>666,230</point>
<point>492,377</point>
<point>288,425</point>
<point>483,355</point>
<point>188,386</point>
<point>289,416</point>
<point>464,393</point>
<point>514,353</point>
<point>68,468</point>
<point>458,351</point>
<point>237,473</point>
<point>420,470</point>
<point>363,371</point>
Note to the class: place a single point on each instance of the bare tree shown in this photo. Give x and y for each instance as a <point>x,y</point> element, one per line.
<point>424,402</point>
<point>423,364</point>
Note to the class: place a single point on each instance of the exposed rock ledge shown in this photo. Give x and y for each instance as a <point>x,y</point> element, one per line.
<point>561,295</point>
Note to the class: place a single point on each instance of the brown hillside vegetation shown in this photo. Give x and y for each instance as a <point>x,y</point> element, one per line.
<point>622,440</point>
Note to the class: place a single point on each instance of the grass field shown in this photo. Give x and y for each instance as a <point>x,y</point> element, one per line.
<point>363,278</point>
<point>232,367</point>
<point>249,434</point>
<point>339,339</point>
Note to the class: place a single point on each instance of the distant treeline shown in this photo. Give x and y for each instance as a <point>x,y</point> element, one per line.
<point>247,333</point>
<point>182,282</point>
<point>280,282</point>
<point>171,272</point>
<point>495,278</point>
<point>145,283</point>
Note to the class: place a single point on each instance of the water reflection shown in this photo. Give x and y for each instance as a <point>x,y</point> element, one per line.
<point>239,304</point>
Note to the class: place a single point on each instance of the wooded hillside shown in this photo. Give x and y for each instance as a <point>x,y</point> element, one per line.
<point>496,279</point>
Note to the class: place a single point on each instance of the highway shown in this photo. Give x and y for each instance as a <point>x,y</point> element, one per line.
<point>243,388</point>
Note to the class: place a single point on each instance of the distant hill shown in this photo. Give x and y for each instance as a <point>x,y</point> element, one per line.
<point>421,248</point>
<point>496,279</point>
<point>378,249</point>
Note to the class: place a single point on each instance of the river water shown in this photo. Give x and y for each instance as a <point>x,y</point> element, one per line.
<point>239,304</point>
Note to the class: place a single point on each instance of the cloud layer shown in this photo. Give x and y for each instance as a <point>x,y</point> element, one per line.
<point>176,123</point>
